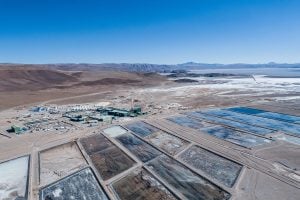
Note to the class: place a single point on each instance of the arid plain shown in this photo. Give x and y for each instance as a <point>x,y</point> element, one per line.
<point>224,137</point>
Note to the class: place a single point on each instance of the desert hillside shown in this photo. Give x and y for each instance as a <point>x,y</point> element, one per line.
<point>21,85</point>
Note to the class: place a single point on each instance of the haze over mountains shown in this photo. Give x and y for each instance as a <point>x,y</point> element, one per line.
<point>145,67</point>
<point>26,83</point>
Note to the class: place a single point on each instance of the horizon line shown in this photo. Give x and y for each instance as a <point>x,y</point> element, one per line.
<point>184,63</point>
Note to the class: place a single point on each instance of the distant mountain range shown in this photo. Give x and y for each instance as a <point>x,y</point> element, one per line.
<point>144,67</point>
<point>193,65</point>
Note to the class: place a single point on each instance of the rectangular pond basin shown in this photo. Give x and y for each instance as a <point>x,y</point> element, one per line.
<point>138,147</point>
<point>280,117</point>
<point>60,161</point>
<point>188,122</point>
<point>81,185</point>
<point>233,124</point>
<point>290,128</point>
<point>222,169</point>
<point>114,131</point>
<point>158,138</point>
<point>141,185</point>
<point>141,128</point>
<point>14,178</point>
<point>107,158</point>
<point>246,110</point>
<point>266,114</point>
<point>236,137</point>
<point>188,183</point>
<point>167,142</point>
<point>287,138</point>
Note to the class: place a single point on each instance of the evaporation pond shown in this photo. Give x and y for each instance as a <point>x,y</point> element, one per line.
<point>60,161</point>
<point>246,110</point>
<point>108,159</point>
<point>81,185</point>
<point>14,178</point>
<point>167,142</point>
<point>188,122</point>
<point>235,137</point>
<point>287,138</point>
<point>223,170</point>
<point>234,124</point>
<point>290,128</point>
<point>141,185</point>
<point>188,183</point>
<point>114,131</point>
<point>138,147</point>
<point>141,128</point>
<point>281,117</point>
<point>266,114</point>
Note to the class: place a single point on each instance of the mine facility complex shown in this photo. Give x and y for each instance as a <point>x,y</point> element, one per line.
<point>207,154</point>
<point>40,119</point>
<point>150,100</point>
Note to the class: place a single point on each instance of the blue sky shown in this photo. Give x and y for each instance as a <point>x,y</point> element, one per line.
<point>149,31</point>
